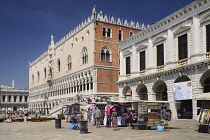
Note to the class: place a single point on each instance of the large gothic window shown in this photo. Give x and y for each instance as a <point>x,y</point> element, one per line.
<point>104,32</point>
<point>59,65</point>
<point>208,38</point>
<point>182,46</point>
<point>84,55</point>
<point>128,65</point>
<point>69,63</point>
<point>45,72</point>
<point>142,60</point>
<point>105,54</point>
<point>120,35</point>
<point>38,76</point>
<point>108,32</point>
<point>160,55</point>
<point>32,79</point>
<point>50,72</point>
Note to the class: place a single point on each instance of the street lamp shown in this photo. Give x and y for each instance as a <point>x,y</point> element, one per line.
<point>45,101</point>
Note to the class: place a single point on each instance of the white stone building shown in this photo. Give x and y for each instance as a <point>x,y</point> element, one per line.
<point>172,51</point>
<point>12,99</point>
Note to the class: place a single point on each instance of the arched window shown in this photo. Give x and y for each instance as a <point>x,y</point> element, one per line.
<point>32,78</point>
<point>104,32</point>
<point>69,63</point>
<point>59,65</point>
<point>108,32</point>
<point>38,76</point>
<point>131,33</point>
<point>45,72</point>
<point>84,55</point>
<point>120,35</point>
<point>50,72</point>
<point>105,54</point>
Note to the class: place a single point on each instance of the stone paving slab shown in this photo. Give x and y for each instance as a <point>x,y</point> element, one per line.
<point>179,130</point>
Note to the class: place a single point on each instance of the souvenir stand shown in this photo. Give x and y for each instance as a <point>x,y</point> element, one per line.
<point>101,106</point>
<point>122,109</point>
<point>154,112</point>
<point>72,110</point>
<point>203,121</point>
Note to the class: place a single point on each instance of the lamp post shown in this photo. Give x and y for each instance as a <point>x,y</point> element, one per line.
<point>45,101</point>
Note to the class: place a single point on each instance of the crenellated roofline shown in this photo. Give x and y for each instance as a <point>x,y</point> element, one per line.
<point>94,17</point>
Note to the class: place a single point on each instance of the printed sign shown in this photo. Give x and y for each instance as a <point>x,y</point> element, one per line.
<point>182,90</point>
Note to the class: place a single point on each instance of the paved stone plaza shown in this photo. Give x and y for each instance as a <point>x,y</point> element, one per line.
<point>180,130</point>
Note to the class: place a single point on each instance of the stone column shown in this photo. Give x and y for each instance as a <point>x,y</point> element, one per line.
<point>134,67</point>
<point>134,93</point>
<point>6,98</point>
<point>12,98</point>
<point>18,99</point>
<point>196,38</point>
<point>170,57</point>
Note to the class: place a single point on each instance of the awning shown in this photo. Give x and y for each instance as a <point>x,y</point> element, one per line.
<point>203,96</point>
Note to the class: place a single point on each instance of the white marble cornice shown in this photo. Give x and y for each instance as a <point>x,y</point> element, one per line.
<point>179,16</point>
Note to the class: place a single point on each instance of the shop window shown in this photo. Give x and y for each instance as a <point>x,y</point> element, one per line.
<point>160,55</point>
<point>182,47</point>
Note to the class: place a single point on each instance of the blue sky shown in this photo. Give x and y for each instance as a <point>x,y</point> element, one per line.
<point>26,26</point>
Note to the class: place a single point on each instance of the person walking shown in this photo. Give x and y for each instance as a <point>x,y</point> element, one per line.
<point>97,116</point>
<point>82,112</point>
<point>114,119</point>
<point>129,119</point>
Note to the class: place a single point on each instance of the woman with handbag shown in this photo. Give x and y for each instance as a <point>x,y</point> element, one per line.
<point>114,119</point>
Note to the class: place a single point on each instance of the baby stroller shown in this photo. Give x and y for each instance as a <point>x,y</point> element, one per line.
<point>74,126</point>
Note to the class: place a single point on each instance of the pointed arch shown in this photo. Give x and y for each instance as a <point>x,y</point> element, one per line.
<point>38,76</point>
<point>45,72</point>
<point>59,65</point>
<point>84,55</point>
<point>106,54</point>
<point>69,63</point>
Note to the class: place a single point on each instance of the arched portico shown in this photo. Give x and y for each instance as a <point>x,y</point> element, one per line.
<point>127,93</point>
<point>183,95</point>
<point>141,91</point>
<point>160,89</point>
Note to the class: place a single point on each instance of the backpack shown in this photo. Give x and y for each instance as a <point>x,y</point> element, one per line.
<point>127,116</point>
